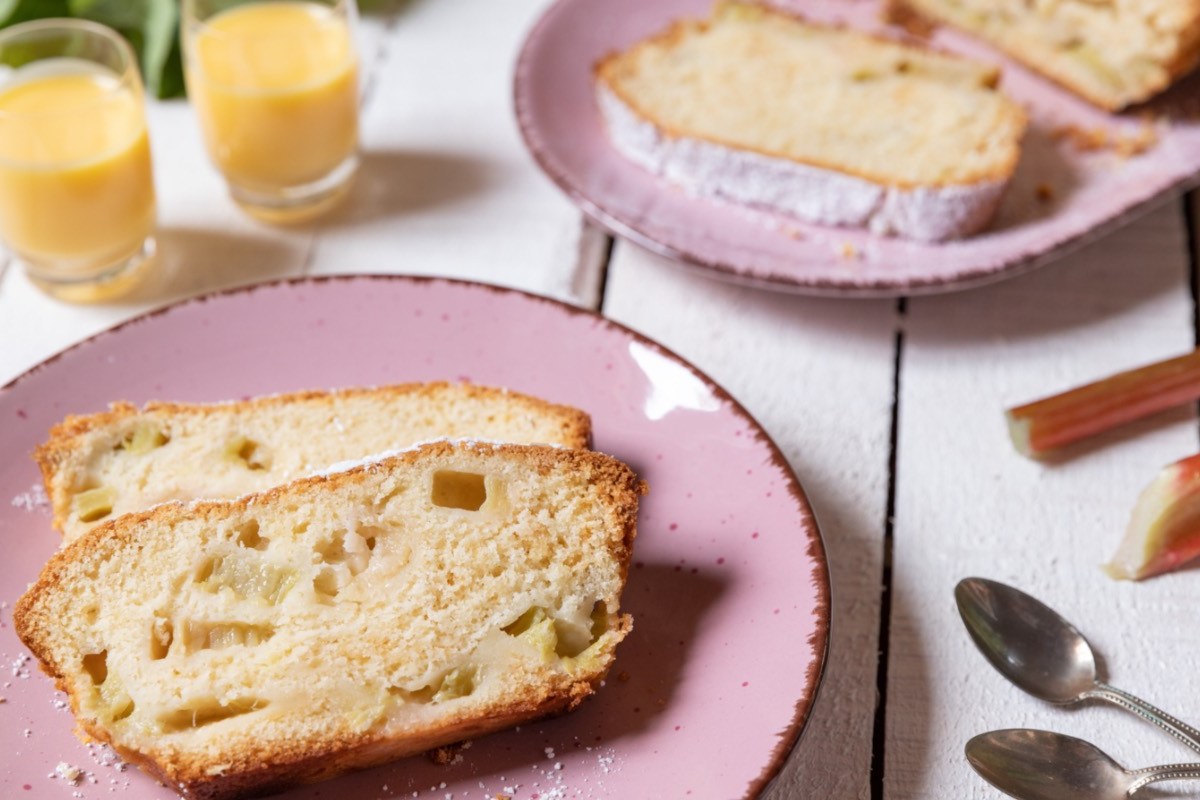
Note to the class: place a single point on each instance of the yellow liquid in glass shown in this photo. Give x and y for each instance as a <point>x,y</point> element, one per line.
<point>76,186</point>
<point>275,86</point>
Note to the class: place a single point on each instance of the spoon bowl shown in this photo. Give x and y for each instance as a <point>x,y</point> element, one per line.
<point>1046,656</point>
<point>1042,765</point>
<point>1027,641</point>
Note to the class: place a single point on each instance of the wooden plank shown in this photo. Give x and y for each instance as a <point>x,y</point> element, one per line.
<point>447,187</point>
<point>967,504</point>
<point>818,375</point>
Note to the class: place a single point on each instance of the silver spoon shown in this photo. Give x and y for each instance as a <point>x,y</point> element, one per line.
<point>1040,765</point>
<point>1045,655</point>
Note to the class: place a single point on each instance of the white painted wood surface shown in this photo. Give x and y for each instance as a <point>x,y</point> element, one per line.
<point>448,190</point>
<point>966,505</point>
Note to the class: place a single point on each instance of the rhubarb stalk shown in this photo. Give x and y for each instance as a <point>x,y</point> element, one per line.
<point>1044,425</point>
<point>1164,531</point>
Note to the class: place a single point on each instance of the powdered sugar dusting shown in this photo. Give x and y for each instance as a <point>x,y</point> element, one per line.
<point>350,464</point>
<point>20,666</point>
<point>813,194</point>
<point>34,499</point>
<point>552,777</point>
<point>375,458</point>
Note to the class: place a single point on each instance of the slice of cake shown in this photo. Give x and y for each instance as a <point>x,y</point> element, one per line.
<point>234,647</point>
<point>827,124</point>
<point>1113,53</point>
<point>100,466</point>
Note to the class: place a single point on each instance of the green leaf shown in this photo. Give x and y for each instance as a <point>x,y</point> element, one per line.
<point>152,28</point>
<point>14,11</point>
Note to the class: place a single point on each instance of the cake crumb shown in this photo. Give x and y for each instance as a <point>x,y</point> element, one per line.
<point>1044,192</point>
<point>1085,140</point>
<point>847,251</point>
<point>68,773</point>
<point>1138,143</point>
<point>441,755</point>
<point>447,755</point>
<point>1124,145</point>
<point>913,22</point>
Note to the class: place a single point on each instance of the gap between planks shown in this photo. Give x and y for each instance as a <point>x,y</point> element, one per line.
<point>1191,232</point>
<point>879,729</point>
<point>602,268</point>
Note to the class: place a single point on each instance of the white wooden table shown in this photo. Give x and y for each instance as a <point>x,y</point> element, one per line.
<point>890,411</point>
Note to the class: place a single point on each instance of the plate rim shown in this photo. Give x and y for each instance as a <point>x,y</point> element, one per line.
<point>1013,266</point>
<point>822,610</point>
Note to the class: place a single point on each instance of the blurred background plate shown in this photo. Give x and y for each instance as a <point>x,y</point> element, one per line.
<point>1061,197</point>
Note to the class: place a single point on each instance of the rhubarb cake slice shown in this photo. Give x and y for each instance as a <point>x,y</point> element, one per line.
<point>1113,53</point>
<point>828,124</point>
<point>231,648</point>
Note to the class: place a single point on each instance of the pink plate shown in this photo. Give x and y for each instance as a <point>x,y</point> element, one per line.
<point>1060,197</point>
<point>729,593</point>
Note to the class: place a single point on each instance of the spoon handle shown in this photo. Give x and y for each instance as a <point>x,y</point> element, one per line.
<point>1180,730</point>
<point>1168,772</point>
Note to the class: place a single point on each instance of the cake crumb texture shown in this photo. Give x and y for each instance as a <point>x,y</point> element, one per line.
<point>234,647</point>
<point>828,124</point>
<point>1114,53</point>
<point>99,466</point>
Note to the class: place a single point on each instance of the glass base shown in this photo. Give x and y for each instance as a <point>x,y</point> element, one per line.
<point>107,284</point>
<point>298,203</point>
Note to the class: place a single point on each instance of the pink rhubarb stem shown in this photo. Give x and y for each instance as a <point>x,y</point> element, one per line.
<point>1048,424</point>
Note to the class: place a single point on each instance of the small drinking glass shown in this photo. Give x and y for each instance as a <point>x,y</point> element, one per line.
<point>275,85</point>
<point>77,204</point>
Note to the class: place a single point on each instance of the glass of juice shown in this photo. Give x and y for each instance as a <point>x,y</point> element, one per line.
<point>275,85</point>
<point>77,200</point>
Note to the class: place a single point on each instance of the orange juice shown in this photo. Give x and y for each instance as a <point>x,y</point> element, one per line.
<point>76,189</point>
<point>275,87</point>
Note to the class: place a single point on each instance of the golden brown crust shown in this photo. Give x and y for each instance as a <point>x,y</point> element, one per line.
<point>1188,56</point>
<point>606,69</point>
<point>273,767</point>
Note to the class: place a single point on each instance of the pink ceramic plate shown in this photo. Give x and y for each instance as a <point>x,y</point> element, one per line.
<point>729,592</point>
<point>1060,197</point>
